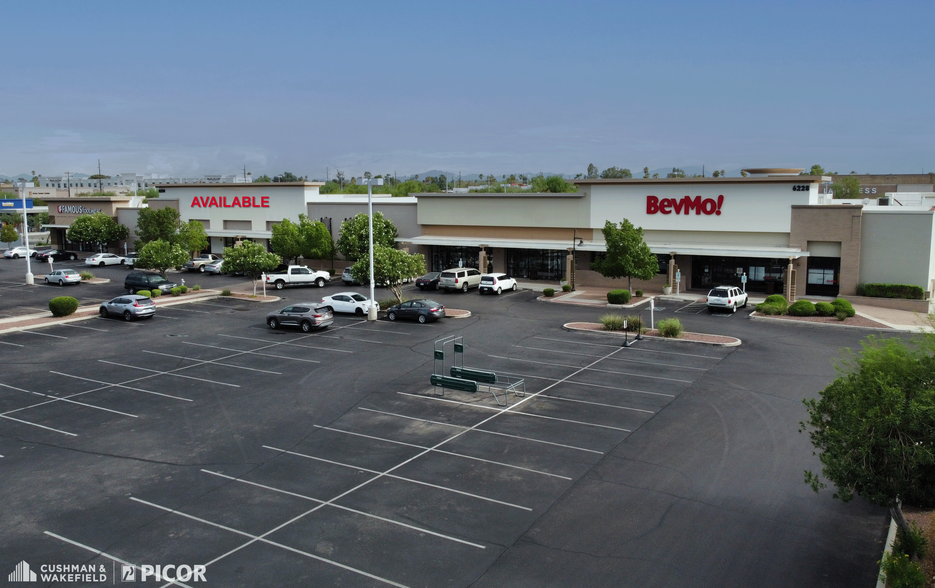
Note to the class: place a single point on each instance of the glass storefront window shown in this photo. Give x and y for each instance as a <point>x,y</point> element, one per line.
<point>448,257</point>
<point>536,264</point>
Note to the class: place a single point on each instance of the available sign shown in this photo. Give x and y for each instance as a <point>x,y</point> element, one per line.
<point>238,202</point>
<point>684,205</point>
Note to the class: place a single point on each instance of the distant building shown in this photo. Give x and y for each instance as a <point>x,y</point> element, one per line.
<point>123,184</point>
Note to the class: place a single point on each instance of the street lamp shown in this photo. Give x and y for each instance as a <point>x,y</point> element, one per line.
<point>575,241</point>
<point>29,276</point>
<point>372,311</point>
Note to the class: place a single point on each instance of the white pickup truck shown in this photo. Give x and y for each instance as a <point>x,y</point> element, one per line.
<point>298,275</point>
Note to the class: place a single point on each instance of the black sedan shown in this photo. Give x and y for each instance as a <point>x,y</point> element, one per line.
<point>56,255</point>
<point>429,281</point>
<point>417,310</point>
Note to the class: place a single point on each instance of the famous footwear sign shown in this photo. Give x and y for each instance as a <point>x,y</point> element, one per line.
<point>75,209</point>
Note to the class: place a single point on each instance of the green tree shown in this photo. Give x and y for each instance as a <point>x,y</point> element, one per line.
<point>153,224</point>
<point>192,237</point>
<point>616,172</point>
<point>592,171</point>
<point>816,170</point>
<point>11,218</point>
<point>552,184</point>
<point>645,173</point>
<point>8,234</point>
<point>287,177</point>
<point>627,255</point>
<point>160,255</point>
<point>676,173</point>
<point>286,240</point>
<point>314,239</point>
<point>354,242</point>
<point>873,428</point>
<point>97,229</point>
<point>264,179</point>
<point>38,219</point>
<point>148,193</point>
<point>846,187</point>
<point>251,259</point>
<point>390,267</point>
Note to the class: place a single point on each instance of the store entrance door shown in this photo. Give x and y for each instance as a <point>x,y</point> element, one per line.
<point>763,275</point>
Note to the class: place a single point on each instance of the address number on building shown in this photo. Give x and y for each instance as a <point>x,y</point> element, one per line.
<point>800,188</point>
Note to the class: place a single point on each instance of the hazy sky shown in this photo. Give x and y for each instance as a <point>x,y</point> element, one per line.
<point>192,88</point>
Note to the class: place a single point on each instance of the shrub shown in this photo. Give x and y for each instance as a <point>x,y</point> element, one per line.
<point>635,324</point>
<point>618,296</point>
<point>842,304</point>
<point>155,293</point>
<point>145,293</point>
<point>778,300</point>
<point>63,305</point>
<point>770,309</point>
<point>611,322</point>
<point>183,288</point>
<point>87,276</point>
<point>566,287</point>
<point>196,287</point>
<point>912,542</point>
<point>384,304</point>
<point>671,328</point>
<point>548,292</point>
<point>900,572</point>
<point>824,309</point>
<point>177,291</point>
<point>802,308</point>
<point>841,314</point>
<point>638,293</point>
<point>225,292</point>
<point>891,291</point>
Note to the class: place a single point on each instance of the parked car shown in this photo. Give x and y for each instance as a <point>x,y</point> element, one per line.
<point>103,259</point>
<point>726,297</point>
<point>416,310</point>
<point>56,255</point>
<point>214,267</point>
<point>496,283</point>
<point>429,281</point>
<point>348,279</point>
<point>307,315</point>
<point>129,306</point>
<point>18,252</point>
<point>136,281</point>
<point>198,264</point>
<point>459,278</point>
<point>131,258</point>
<point>63,276</point>
<point>347,302</point>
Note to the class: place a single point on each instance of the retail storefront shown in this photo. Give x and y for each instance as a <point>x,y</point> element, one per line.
<point>64,211</point>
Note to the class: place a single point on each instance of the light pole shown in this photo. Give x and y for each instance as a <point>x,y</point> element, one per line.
<point>372,311</point>
<point>574,260</point>
<point>29,276</point>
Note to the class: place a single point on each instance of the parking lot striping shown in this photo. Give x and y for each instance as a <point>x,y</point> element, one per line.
<point>529,414</point>
<point>591,369</point>
<point>372,330</point>
<point>353,339</point>
<point>577,383</point>
<point>263,539</point>
<point>4,416</point>
<point>402,478</point>
<point>174,307</point>
<point>227,306</point>
<point>108,556</point>
<point>13,344</point>
<point>82,327</point>
<point>643,349</point>
<point>348,509</point>
<point>170,373</point>
<point>174,318</point>
<point>121,385</point>
<point>68,400</point>
<point>250,352</point>
<point>596,403</point>
<point>43,334</point>
<point>239,367</point>
<point>452,453</point>
<point>520,437</point>
<point>288,343</point>
<point>680,367</point>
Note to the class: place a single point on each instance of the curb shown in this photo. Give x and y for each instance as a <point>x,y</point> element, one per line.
<point>887,548</point>
<point>593,303</point>
<point>735,343</point>
<point>462,314</point>
<point>759,317</point>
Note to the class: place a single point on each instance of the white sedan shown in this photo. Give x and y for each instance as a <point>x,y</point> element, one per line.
<point>102,259</point>
<point>18,252</point>
<point>63,276</point>
<point>347,302</point>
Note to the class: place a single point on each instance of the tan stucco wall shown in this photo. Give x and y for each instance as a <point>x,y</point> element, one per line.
<point>897,248</point>
<point>505,210</point>
<point>828,223</point>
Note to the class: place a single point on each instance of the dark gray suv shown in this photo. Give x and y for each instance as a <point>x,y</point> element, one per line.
<point>136,281</point>
<point>307,315</point>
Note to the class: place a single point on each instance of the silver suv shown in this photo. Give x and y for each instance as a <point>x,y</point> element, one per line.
<point>726,297</point>
<point>306,315</point>
<point>459,278</point>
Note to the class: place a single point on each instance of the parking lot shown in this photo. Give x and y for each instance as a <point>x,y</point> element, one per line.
<point>276,458</point>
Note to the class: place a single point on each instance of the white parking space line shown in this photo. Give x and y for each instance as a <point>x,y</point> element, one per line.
<point>452,453</point>
<point>108,556</point>
<point>263,539</point>
<point>82,327</point>
<point>170,373</point>
<point>595,403</point>
<point>401,478</point>
<point>577,383</point>
<point>4,416</point>
<point>643,349</point>
<point>239,367</point>
<point>681,367</point>
<point>591,369</point>
<point>289,343</point>
<point>13,344</point>
<point>68,400</point>
<point>378,330</point>
<point>109,385</point>
<point>174,318</point>
<point>43,334</point>
<point>488,431</point>
<point>348,509</point>
<point>250,352</point>
<point>214,305</point>
<point>516,412</point>
<point>175,307</point>
<point>353,339</point>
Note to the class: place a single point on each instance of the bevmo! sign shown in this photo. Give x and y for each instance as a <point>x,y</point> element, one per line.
<point>684,205</point>
<point>237,202</point>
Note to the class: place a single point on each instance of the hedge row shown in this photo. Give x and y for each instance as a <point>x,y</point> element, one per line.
<point>776,305</point>
<point>891,291</point>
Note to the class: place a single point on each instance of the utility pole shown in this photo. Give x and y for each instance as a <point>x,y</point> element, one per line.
<point>100,180</point>
<point>327,172</point>
<point>68,175</point>
<point>244,174</point>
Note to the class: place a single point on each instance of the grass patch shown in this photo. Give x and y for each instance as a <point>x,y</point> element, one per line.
<point>611,322</point>
<point>87,276</point>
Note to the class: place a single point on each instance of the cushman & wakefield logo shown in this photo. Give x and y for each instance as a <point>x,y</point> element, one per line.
<point>97,574</point>
<point>684,205</point>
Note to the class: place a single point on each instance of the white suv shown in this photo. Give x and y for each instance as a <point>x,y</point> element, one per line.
<point>726,297</point>
<point>496,283</point>
<point>459,278</point>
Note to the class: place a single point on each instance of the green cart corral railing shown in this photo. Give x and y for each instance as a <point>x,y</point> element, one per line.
<point>467,379</point>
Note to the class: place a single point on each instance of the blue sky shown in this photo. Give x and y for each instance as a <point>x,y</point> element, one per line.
<point>192,88</point>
